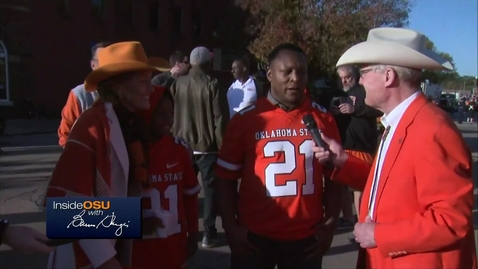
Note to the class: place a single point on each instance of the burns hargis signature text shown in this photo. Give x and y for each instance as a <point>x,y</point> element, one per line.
<point>107,222</point>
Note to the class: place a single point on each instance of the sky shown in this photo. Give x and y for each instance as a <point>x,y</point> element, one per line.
<point>452,25</point>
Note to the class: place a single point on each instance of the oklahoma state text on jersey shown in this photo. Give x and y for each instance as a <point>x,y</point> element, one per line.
<point>282,183</point>
<point>172,177</point>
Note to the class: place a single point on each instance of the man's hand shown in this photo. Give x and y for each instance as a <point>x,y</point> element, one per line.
<point>192,245</point>
<point>334,154</point>
<point>238,241</point>
<point>365,233</point>
<point>324,237</point>
<point>151,224</point>
<point>334,110</point>
<point>175,70</point>
<point>26,239</point>
<point>346,108</point>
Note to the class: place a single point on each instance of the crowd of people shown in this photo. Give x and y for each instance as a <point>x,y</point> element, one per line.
<point>278,190</point>
<point>468,109</point>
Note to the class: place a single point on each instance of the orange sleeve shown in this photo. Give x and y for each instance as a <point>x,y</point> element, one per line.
<point>353,173</point>
<point>331,131</point>
<point>445,192</point>
<point>69,114</point>
<point>231,154</point>
<point>75,176</point>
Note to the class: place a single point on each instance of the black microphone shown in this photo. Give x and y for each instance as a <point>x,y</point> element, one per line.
<point>311,125</point>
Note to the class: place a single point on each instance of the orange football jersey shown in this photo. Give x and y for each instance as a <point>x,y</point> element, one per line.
<point>282,183</point>
<point>171,175</point>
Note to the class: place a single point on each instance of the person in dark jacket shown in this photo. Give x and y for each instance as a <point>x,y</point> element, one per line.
<point>200,117</point>
<point>179,67</point>
<point>461,110</point>
<point>357,124</point>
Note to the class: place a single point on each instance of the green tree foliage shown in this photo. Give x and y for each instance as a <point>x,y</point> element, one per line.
<point>323,28</point>
<point>440,77</point>
<point>447,79</point>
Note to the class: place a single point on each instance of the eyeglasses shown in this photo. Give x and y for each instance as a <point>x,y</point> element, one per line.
<point>365,71</point>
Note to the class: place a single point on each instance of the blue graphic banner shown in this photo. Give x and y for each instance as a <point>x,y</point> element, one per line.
<point>93,218</point>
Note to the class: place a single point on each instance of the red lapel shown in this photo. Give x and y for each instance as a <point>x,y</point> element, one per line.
<point>397,141</point>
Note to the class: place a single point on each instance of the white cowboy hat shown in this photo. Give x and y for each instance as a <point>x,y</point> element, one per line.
<point>395,46</point>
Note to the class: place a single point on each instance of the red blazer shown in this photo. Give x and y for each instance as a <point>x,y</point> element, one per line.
<point>425,199</point>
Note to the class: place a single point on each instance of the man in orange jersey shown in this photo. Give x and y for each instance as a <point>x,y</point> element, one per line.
<point>285,214</point>
<point>172,196</point>
<point>78,100</point>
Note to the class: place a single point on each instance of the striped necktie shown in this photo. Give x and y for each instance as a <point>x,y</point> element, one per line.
<point>373,192</point>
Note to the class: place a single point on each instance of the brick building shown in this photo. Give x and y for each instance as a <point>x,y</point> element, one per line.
<point>48,41</point>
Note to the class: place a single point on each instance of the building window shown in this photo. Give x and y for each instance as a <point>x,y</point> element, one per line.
<point>177,19</point>
<point>154,14</point>
<point>97,7</point>
<point>4,76</point>
<point>63,7</point>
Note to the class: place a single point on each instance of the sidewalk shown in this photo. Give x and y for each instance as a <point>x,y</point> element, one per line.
<point>27,175</point>
<point>470,134</point>
<point>31,126</point>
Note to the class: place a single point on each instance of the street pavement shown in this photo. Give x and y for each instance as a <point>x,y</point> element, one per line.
<point>26,162</point>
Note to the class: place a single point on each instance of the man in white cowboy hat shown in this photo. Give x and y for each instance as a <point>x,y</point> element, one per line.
<point>417,201</point>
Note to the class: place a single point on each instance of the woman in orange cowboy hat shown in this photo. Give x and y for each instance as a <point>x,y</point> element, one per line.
<point>172,195</point>
<point>101,157</point>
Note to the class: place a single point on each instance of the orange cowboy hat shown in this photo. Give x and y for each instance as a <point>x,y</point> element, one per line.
<point>116,59</point>
<point>161,64</point>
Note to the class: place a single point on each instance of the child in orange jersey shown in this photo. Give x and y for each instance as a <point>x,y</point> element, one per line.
<point>172,195</point>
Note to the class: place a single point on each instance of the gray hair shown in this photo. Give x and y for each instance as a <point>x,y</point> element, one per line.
<point>411,77</point>
<point>352,69</point>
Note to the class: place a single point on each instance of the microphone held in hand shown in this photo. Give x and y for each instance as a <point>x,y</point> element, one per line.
<point>311,125</point>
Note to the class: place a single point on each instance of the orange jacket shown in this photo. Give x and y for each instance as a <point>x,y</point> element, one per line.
<point>97,134</point>
<point>424,199</point>
<point>78,101</point>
